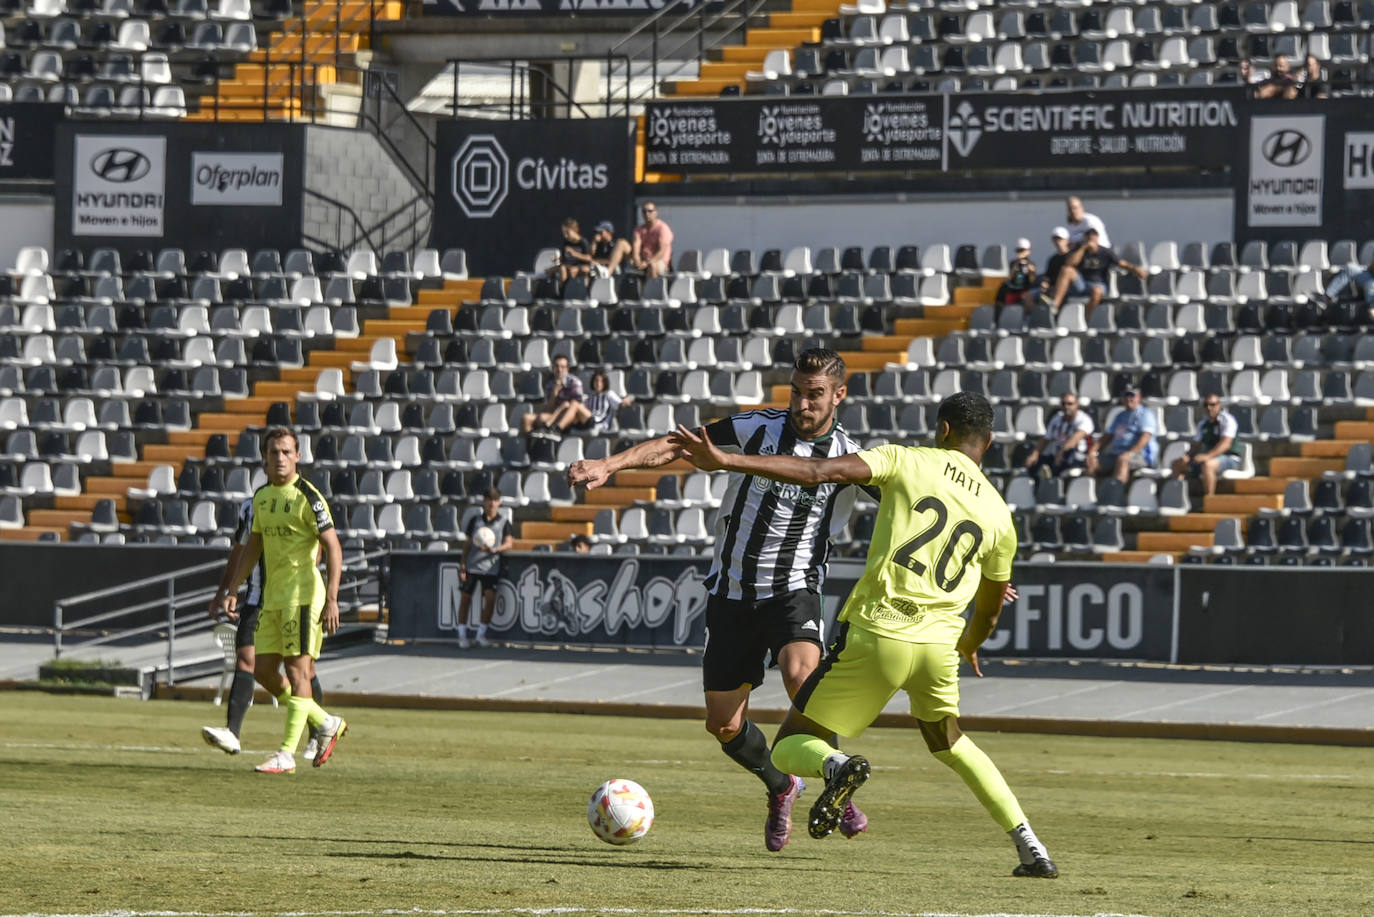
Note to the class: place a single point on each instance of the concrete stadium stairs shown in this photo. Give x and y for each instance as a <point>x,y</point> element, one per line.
<point>235,416</point>
<point>728,65</point>
<point>269,85</point>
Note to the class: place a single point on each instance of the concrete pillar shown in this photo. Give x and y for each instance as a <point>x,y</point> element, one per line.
<point>558,87</point>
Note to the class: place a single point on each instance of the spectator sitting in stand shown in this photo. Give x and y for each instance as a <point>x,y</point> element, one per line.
<point>1020,276</point>
<point>1251,77</point>
<point>1214,448</point>
<point>1059,240</point>
<point>1129,443</point>
<point>560,389</point>
<point>652,250</point>
<point>1353,283</point>
<point>607,250</point>
<point>1065,443</point>
<point>1311,84</point>
<point>1085,271</point>
<point>1080,221</point>
<point>595,413</point>
<point>580,544</point>
<point>1281,83</point>
<point>574,255</point>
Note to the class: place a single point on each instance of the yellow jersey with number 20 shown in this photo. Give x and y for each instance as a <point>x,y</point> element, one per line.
<point>941,528</point>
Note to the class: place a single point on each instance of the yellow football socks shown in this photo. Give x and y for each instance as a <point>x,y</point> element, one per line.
<point>299,711</point>
<point>982,776</point>
<point>802,755</point>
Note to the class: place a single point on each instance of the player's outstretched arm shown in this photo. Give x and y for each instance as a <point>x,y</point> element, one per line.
<point>987,606</point>
<point>648,454</point>
<point>791,469</point>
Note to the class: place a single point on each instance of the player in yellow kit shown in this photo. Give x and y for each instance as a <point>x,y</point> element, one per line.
<point>943,537</point>
<point>291,521</point>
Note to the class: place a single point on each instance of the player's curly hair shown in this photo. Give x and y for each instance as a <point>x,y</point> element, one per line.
<point>275,433</point>
<point>821,360</point>
<point>968,414</point>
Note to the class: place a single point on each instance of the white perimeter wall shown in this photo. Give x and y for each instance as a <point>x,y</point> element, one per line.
<point>762,223</point>
<point>24,220</point>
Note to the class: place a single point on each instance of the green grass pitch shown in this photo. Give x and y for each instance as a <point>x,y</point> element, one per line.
<point>112,805</point>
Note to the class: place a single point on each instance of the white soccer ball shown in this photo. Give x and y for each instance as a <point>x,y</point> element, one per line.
<point>484,537</point>
<point>620,812</point>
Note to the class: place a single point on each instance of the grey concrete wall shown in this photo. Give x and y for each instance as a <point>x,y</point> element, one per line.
<point>353,167</point>
<point>25,219</point>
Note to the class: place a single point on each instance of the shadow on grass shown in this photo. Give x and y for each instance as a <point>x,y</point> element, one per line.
<point>542,854</point>
<point>531,860</point>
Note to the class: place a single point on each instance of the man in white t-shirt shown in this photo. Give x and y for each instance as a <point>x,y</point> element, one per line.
<point>1065,443</point>
<point>1080,221</point>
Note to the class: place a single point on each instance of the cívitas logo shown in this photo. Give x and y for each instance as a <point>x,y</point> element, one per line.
<point>120,164</point>
<point>482,175</point>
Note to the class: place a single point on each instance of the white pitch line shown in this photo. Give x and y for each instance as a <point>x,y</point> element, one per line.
<point>1097,686</point>
<point>554,911</point>
<point>1320,703</point>
<point>1190,775</point>
<point>544,683</point>
<point>58,746</point>
<point>445,675</point>
<point>658,688</point>
<point>1192,699</point>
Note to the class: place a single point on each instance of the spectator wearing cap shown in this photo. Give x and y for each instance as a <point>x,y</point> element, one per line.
<point>1020,276</point>
<point>607,250</point>
<point>1059,241</point>
<point>1086,269</point>
<point>1130,441</point>
<point>652,249</point>
<point>1214,448</point>
<point>1080,221</point>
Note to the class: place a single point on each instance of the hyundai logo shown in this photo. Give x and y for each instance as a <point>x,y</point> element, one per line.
<point>120,164</point>
<point>1286,148</point>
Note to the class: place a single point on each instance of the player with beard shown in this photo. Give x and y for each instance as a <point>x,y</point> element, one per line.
<point>771,545</point>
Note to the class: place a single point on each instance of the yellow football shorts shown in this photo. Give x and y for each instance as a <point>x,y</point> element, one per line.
<point>863,671</point>
<point>290,632</point>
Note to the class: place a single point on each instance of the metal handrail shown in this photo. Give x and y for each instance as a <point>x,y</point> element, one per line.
<point>700,14</point>
<point>358,224</point>
<point>138,584</point>
<point>352,579</point>
<point>519,70</point>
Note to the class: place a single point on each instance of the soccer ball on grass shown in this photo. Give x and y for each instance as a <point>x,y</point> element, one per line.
<point>620,812</point>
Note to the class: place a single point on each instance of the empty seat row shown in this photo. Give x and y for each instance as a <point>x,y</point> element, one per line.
<point>235,263</point>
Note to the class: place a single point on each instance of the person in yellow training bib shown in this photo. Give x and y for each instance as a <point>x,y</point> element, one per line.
<point>291,521</point>
<point>943,537</point>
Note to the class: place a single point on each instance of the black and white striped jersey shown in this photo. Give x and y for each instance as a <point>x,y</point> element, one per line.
<point>774,538</point>
<point>242,533</point>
